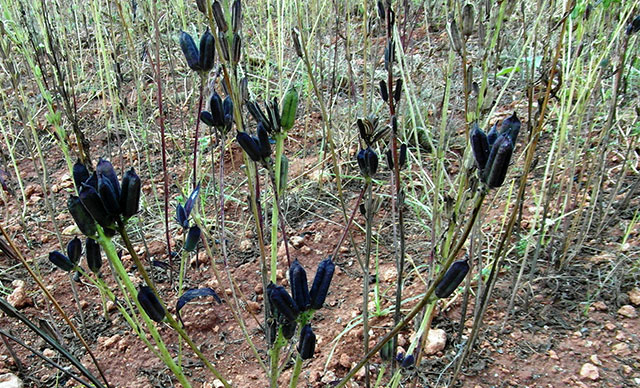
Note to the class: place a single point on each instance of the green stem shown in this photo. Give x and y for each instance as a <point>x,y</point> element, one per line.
<point>112,255</point>
<point>274,211</point>
<point>172,322</point>
<point>296,372</point>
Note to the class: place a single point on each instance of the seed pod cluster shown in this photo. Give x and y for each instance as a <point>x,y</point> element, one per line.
<point>287,308</point>
<point>492,152</point>
<point>452,278</point>
<point>198,59</point>
<point>183,212</point>
<point>220,114</point>
<point>368,162</point>
<point>101,198</point>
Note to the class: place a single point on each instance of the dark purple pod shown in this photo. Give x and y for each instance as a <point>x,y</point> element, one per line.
<point>105,169</point>
<point>384,93</point>
<point>94,256</point>
<point>249,145</point>
<point>228,112</point>
<point>190,51</point>
<point>81,216</point>
<point>368,162</point>
<point>236,48</point>
<point>407,361</point>
<point>207,51</point>
<point>109,196</point>
<point>150,304</point>
<point>282,301</point>
<point>299,286</point>
<point>218,15</point>
<point>202,6</point>
<point>321,283</point>
<point>402,158</point>
<point>94,205</point>
<point>181,216</point>
<point>74,250</point>
<point>207,118</point>
<point>263,139</point>
<point>307,344</point>
<point>130,195</point>
<point>479,146</point>
<point>236,16</point>
<point>499,166</point>
<point>452,279</point>
<point>61,261</point>
<point>511,126</point>
<point>492,155</point>
<point>217,110</point>
<point>397,93</point>
<point>191,201</point>
<point>259,115</point>
<point>224,45</point>
<point>80,174</point>
<point>289,329</point>
<point>193,237</point>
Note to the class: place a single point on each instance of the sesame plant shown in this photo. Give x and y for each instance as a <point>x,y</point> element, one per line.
<point>189,165</point>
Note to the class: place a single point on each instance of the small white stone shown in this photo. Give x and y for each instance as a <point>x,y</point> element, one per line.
<point>589,371</point>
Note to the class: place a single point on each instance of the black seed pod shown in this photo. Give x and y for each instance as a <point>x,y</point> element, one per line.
<point>511,126</point>
<point>74,250</point>
<point>207,51</point>
<point>181,216</point>
<point>403,155</point>
<point>299,286</point>
<point>244,89</point>
<point>389,159</point>
<point>236,16</point>
<point>289,329</point>
<point>263,138</point>
<point>384,93</point>
<point>479,146</point>
<point>81,216</point>
<point>130,195</point>
<point>190,51</point>
<point>368,162</point>
<point>218,15</point>
<point>61,261</point>
<point>236,48</point>
<point>109,196</point>
<point>397,93</point>
<point>94,256</point>
<point>94,205</point>
<point>249,145</point>
<point>207,118</point>
<point>224,45</point>
<point>492,155</point>
<point>500,165</point>
<point>217,110</point>
<point>321,283</point>
<point>282,301</point>
<point>150,304</point>
<point>407,361</point>
<point>468,17</point>
<point>307,344</point>
<point>192,239</point>
<point>104,169</point>
<point>202,6</point>
<point>80,174</point>
<point>452,279</point>
<point>227,107</point>
<point>493,134</point>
